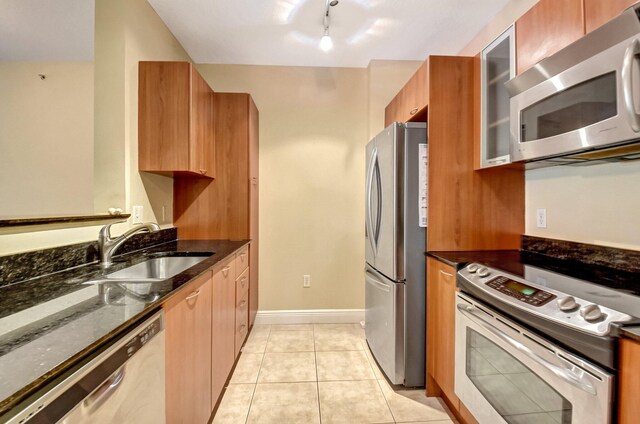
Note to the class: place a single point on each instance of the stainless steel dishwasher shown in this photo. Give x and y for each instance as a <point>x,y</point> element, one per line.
<point>125,383</point>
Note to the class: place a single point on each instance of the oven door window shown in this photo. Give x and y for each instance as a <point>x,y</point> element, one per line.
<point>514,391</point>
<point>569,110</point>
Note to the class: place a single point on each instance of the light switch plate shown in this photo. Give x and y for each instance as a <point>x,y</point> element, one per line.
<point>541,218</point>
<point>137,214</point>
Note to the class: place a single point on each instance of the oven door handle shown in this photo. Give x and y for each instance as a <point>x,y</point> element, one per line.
<point>563,373</point>
<point>627,83</point>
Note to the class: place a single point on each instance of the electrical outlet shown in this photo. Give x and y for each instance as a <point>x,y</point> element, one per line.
<point>137,214</point>
<point>306,281</point>
<point>541,218</point>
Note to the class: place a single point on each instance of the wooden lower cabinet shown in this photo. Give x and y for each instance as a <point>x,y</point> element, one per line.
<point>223,352</point>
<point>441,301</point>
<point>188,353</point>
<point>441,331</point>
<point>629,382</point>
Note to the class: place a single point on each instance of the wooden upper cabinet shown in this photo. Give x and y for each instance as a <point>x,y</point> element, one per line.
<point>547,27</point>
<point>222,209</point>
<point>411,102</point>
<point>629,383</point>
<point>175,120</point>
<point>599,12</point>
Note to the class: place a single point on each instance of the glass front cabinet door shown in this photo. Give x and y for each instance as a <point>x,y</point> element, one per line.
<point>497,66</point>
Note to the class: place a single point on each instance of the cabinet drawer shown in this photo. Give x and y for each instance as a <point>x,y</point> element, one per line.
<point>228,271</point>
<point>242,260</point>
<point>242,284</point>
<point>242,321</point>
<point>242,312</point>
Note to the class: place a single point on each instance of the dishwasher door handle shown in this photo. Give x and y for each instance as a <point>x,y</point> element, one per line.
<point>105,391</point>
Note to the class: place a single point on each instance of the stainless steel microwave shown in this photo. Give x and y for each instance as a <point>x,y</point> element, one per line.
<point>582,103</point>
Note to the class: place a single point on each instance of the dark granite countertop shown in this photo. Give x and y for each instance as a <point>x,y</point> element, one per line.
<point>49,323</point>
<point>631,332</point>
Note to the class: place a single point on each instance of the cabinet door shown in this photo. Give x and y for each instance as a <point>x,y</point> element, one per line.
<point>417,89</point>
<point>164,116</point>
<point>629,384</point>
<point>254,143</point>
<point>222,329</point>
<point>411,99</point>
<point>546,28</point>
<point>201,146</point>
<point>497,66</point>
<point>598,12</point>
<point>441,292</point>
<point>188,354</point>
<point>392,113</point>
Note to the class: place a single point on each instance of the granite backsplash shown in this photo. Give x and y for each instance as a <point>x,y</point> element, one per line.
<point>611,257</point>
<point>25,266</point>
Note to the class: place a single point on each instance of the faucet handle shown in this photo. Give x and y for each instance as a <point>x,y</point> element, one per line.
<point>105,232</point>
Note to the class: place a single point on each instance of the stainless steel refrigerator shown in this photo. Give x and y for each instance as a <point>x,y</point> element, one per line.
<point>395,232</point>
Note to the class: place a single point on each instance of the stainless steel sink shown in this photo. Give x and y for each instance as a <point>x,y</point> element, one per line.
<point>151,270</point>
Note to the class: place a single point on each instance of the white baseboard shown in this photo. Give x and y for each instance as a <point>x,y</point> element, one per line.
<point>311,316</point>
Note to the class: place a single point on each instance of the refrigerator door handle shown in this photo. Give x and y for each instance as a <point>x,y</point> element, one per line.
<point>369,218</point>
<point>376,283</point>
<point>380,202</point>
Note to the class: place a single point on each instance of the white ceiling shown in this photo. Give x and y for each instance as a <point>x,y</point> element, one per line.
<point>287,32</point>
<point>60,30</point>
<point>264,32</point>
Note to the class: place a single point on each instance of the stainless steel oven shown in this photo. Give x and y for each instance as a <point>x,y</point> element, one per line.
<point>585,97</point>
<point>537,346</point>
<point>506,374</point>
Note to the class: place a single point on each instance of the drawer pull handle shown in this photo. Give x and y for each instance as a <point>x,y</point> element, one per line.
<point>203,171</point>
<point>414,111</point>
<point>225,270</point>
<point>193,295</point>
<point>446,273</point>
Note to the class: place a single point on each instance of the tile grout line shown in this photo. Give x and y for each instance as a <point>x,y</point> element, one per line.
<point>371,364</point>
<point>255,387</point>
<point>315,357</point>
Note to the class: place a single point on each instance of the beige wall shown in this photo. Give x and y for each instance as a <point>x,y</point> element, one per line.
<point>46,139</point>
<point>596,204</point>
<point>126,31</point>
<point>508,15</point>
<point>314,124</point>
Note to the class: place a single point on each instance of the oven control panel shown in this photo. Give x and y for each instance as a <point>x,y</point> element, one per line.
<point>522,292</point>
<point>540,300</point>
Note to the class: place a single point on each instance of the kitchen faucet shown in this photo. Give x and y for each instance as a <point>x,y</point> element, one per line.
<point>107,245</point>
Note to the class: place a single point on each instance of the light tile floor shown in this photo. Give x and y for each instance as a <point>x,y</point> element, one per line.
<point>318,373</point>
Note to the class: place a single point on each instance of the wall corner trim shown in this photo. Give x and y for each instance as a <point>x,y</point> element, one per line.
<point>311,316</point>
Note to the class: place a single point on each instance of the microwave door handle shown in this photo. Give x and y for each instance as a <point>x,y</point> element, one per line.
<point>369,219</point>
<point>627,83</point>
<point>563,373</point>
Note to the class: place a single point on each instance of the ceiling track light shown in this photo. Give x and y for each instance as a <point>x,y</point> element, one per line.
<point>326,43</point>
